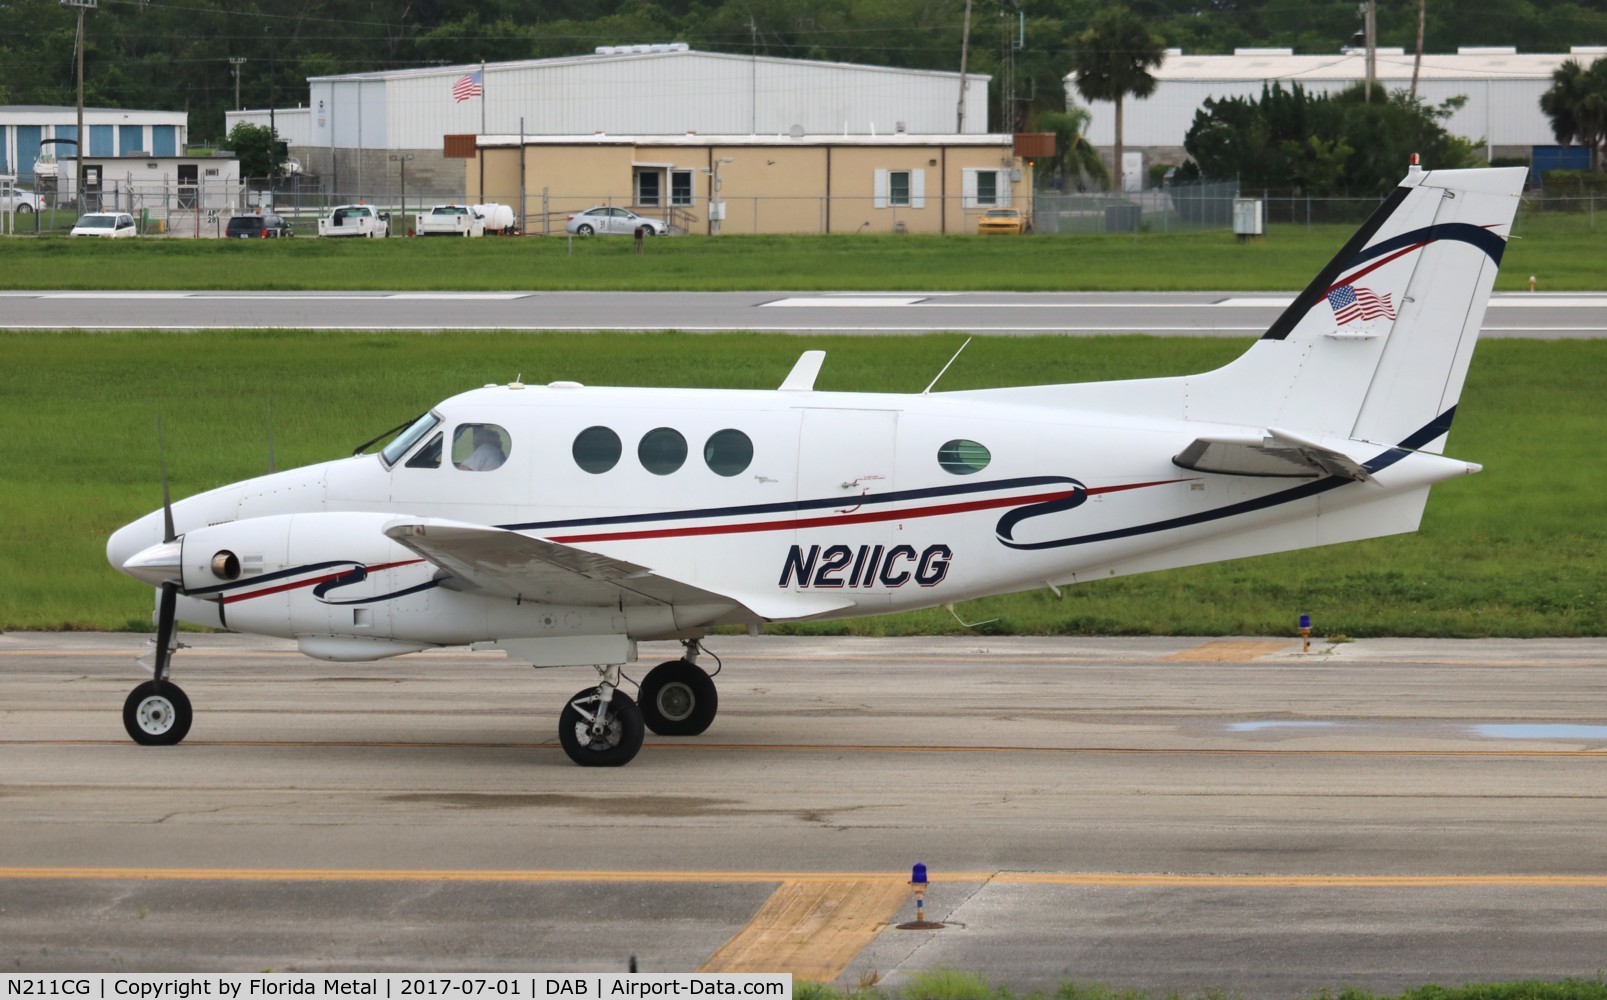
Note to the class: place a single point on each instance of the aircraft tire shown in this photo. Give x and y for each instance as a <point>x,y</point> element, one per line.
<point>157,714</point>
<point>618,746</point>
<point>678,699</point>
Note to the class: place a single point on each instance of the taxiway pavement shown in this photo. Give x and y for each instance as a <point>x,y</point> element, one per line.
<point>1226,314</point>
<point>1164,813</point>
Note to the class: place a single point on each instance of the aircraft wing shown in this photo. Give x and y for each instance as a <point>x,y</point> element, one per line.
<point>497,561</point>
<point>1273,453</point>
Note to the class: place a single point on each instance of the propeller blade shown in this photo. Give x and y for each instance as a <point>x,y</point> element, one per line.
<point>168,534</point>
<point>166,625</point>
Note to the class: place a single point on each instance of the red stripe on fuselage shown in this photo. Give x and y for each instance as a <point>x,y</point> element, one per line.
<point>866,517</point>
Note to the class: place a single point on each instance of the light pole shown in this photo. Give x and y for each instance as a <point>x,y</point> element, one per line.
<point>78,169</point>
<point>235,62</point>
<point>402,158</point>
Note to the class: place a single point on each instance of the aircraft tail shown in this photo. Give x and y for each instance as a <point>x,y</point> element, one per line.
<point>1377,347</point>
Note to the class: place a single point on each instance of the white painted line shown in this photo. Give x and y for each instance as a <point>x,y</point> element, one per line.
<point>829,301</point>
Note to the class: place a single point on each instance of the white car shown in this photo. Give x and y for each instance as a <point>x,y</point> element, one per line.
<point>112,225</point>
<point>618,221</point>
<point>20,202</point>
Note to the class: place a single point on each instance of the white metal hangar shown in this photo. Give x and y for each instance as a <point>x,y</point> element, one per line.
<point>353,123</point>
<point>1502,87</point>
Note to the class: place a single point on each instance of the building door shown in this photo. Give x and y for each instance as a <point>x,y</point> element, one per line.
<point>92,187</point>
<point>189,180</point>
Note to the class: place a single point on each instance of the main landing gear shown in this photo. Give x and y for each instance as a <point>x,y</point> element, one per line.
<point>676,698</point>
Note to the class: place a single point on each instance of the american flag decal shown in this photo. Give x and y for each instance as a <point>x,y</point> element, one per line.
<point>1351,303</point>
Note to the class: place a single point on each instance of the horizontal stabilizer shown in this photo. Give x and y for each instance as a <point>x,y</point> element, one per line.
<point>1273,453</point>
<point>497,561</point>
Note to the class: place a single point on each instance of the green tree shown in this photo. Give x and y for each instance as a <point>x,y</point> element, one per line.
<point>1075,156</point>
<point>1324,145</point>
<point>1112,58</point>
<point>258,149</point>
<point>1577,106</point>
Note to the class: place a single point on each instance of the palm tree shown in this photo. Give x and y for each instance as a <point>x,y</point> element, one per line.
<point>1075,156</point>
<point>1112,58</point>
<point>1577,106</point>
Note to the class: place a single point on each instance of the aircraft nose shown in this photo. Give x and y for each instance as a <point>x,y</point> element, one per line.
<point>132,539</point>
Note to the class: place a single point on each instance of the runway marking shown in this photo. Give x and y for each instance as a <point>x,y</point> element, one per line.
<point>833,748</point>
<point>1228,651</point>
<point>897,879</point>
<point>812,928</point>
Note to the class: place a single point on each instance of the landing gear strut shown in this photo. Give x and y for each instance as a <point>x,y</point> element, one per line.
<point>601,726</point>
<point>677,698</point>
<point>157,713</point>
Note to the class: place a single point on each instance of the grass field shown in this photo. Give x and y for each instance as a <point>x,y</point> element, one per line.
<point>1518,550</point>
<point>1564,251</point>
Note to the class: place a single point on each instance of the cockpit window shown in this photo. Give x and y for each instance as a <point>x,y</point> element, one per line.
<point>480,447</point>
<point>408,438</point>
<point>427,457</point>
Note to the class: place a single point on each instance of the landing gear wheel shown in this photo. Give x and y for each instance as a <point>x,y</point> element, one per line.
<point>157,714</point>
<point>621,737</point>
<point>678,699</point>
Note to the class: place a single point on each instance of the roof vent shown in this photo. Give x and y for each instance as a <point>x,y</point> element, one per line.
<point>1263,52</point>
<point>1487,50</point>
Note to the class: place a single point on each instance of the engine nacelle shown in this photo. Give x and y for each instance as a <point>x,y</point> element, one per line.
<point>293,574</point>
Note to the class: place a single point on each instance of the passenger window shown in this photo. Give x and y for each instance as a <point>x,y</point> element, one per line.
<point>662,451</point>
<point>728,452</point>
<point>963,457</point>
<point>479,447</point>
<point>596,449</point>
<point>427,457</point>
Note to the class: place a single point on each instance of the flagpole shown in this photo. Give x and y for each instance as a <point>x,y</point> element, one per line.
<point>480,153</point>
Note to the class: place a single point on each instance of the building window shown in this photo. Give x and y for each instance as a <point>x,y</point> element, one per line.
<point>987,187</point>
<point>648,185</point>
<point>680,187</point>
<point>898,187</point>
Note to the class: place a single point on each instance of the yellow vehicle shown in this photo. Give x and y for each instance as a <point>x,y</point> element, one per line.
<point>1002,220</point>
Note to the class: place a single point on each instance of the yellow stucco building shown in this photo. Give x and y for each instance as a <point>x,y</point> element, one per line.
<point>757,184</point>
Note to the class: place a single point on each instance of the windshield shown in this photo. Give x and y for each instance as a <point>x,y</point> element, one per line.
<point>408,438</point>
<point>97,222</point>
<point>450,210</point>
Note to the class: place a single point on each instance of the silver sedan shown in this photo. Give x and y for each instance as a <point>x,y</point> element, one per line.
<point>616,221</point>
<point>20,201</point>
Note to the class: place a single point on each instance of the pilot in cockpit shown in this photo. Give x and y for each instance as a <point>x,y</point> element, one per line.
<point>487,453</point>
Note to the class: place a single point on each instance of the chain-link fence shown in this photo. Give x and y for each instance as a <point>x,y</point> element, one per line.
<point>203,209</point>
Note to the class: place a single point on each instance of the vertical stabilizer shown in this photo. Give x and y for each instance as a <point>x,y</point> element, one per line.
<point>1378,345</point>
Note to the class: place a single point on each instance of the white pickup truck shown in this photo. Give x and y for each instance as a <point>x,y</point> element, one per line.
<point>451,220</point>
<point>354,220</point>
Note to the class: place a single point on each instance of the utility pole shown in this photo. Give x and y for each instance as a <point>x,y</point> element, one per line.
<point>1417,64</point>
<point>1371,27</point>
<point>235,62</point>
<point>78,160</point>
<point>965,52</point>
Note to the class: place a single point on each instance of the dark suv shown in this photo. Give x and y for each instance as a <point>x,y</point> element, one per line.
<point>257,227</point>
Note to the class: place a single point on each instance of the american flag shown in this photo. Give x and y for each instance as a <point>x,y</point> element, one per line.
<point>468,86</point>
<point>1351,303</point>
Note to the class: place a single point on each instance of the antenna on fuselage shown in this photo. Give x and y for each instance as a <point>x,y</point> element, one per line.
<point>946,367</point>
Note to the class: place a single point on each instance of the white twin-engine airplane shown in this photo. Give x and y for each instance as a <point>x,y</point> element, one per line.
<point>564,523</point>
